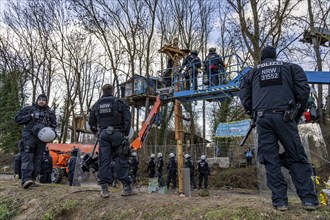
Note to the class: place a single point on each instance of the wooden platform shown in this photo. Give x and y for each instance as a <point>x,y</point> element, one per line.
<point>140,100</point>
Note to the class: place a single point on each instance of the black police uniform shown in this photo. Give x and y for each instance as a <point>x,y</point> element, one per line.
<point>46,168</point>
<point>266,91</point>
<point>172,168</point>
<point>72,167</point>
<point>213,64</point>
<point>134,166</point>
<point>30,117</point>
<point>17,162</point>
<point>190,164</point>
<point>159,165</point>
<point>193,63</point>
<point>204,172</point>
<point>113,118</point>
<point>151,168</point>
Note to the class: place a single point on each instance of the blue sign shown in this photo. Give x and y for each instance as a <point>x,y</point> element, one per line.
<point>233,129</point>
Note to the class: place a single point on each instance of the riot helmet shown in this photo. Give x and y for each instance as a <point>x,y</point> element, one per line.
<point>134,154</point>
<point>186,156</point>
<point>194,52</point>
<point>203,157</point>
<point>171,155</point>
<point>152,156</point>
<point>159,155</point>
<point>212,50</point>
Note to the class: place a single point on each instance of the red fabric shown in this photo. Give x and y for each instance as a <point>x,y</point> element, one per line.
<point>212,66</point>
<point>307,116</point>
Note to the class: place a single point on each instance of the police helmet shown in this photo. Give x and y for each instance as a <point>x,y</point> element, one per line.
<point>186,156</point>
<point>171,155</point>
<point>194,52</point>
<point>46,134</point>
<point>159,155</point>
<point>134,154</point>
<point>203,157</point>
<point>212,50</point>
<point>152,156</point>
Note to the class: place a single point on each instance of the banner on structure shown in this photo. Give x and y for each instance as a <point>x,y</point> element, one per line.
<point>233,129</point>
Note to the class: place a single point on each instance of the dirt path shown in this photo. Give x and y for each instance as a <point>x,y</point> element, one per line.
<point>63,202</point>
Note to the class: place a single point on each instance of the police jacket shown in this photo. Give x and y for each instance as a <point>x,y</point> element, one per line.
<point>160,163</point>
<point>213,62</point>
<point>192,61</point>
<point>46,163</point>
<point>189,164</point>
<point>203,167</point>
<point>32,115</point>
<point>272,84</point>
<point>172,165</point>
<point>110,111</point>
<point>151,165</point>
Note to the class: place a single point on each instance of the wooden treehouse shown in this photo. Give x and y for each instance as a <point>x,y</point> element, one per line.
<point>137,98</point>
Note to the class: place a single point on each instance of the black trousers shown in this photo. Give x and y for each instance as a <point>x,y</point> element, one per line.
<point>271,129</point>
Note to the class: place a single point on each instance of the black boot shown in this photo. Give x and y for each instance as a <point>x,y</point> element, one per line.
<point>104,191</point>
<point>128,191</point>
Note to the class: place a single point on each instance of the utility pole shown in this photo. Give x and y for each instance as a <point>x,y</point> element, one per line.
<point>176,55</point>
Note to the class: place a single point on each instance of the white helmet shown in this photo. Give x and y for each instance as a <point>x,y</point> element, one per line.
<point>152,156</point>
<point>134,154</point>
<point>203,157</point>
<point>46,134</point>
<point>159,155</point>
<point>186,156</point>
<point>171,155</point>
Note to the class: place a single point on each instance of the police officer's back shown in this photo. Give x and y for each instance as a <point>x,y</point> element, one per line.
<point>151,166</point>
<point>192,62</point>
<point>190,164</point>
<point>213,64</point>
<point>276,93</point>
<point>204,172</point>
<point>172,168</point>
<point>72,166</point>
<point>134,166</point>
<point>111,117</point>
<point>159,166</point>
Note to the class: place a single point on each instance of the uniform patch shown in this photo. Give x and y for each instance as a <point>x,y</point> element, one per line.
<point>270,74</point>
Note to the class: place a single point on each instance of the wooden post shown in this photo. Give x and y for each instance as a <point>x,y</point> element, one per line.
<point>179,138</point>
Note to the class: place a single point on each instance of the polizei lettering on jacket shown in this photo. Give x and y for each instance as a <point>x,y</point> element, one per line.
<point>270,73</point>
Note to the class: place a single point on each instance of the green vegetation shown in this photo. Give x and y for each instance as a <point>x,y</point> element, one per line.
<point>60,209</point>
<point>9,105</point>
<point>8,207</point>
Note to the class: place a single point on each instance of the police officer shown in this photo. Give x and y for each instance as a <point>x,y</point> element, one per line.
<point>213,65</point>
<point>192,62</point>
<point>204,172</point>
<point>134,166</point>
<point>266,91</point>
<point>172,168</point>
<point>159,165</point>
<point>72,167</point>
<point>46,167</point>
<point>34,118</point>
<point>111,117</point>
<point>190,164</point>
<point>151,169</point>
